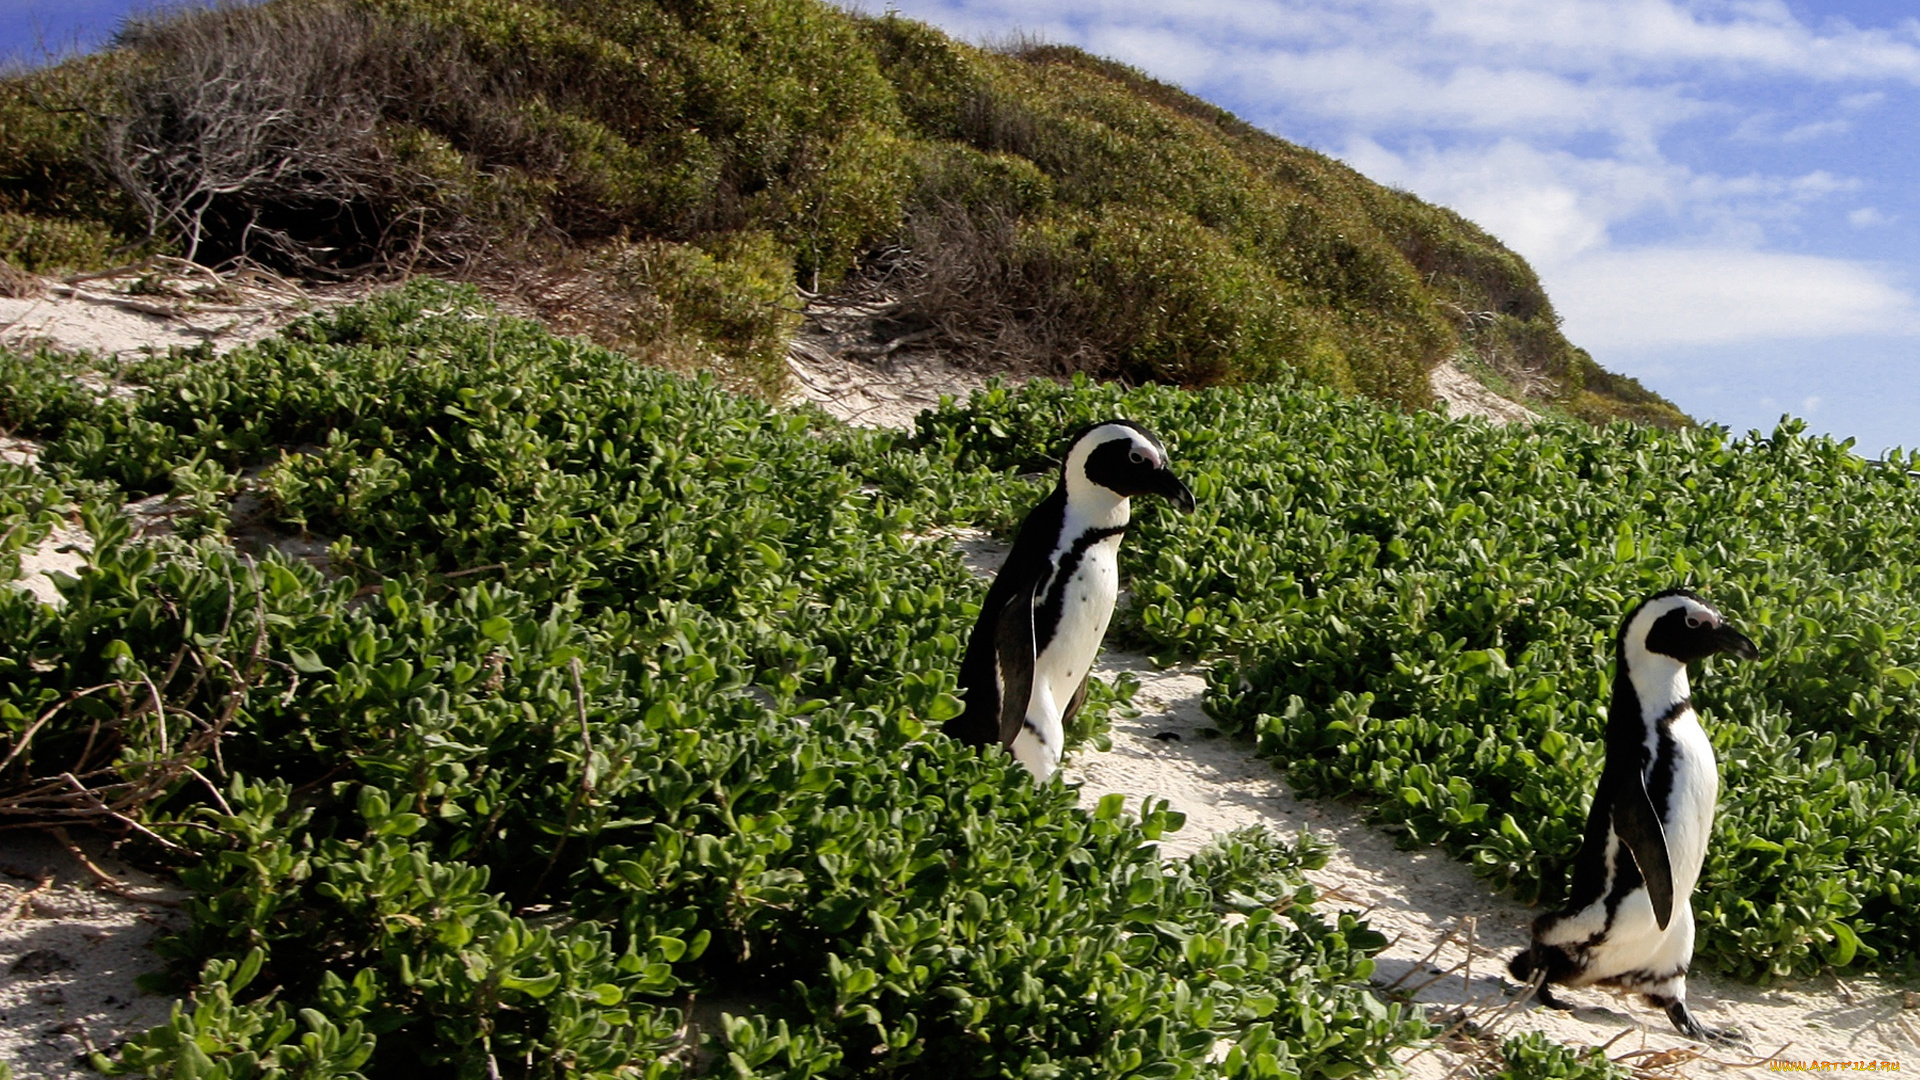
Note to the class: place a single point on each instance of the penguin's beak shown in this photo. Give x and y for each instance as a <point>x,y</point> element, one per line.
<point>1168,485</point>
<point>1727,639</point>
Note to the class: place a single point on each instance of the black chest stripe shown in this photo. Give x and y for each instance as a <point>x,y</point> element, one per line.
<point>1673,712</point>
<point>1052,599</point>
<point>1660,770</point>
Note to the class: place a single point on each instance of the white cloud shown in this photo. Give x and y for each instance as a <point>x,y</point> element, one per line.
<point>1169,58</point>
<point>1581,36</point>
<point>1553,205</point>
<point>1629,69</point>
<point>1819,129</point>
<point>1526,197</point>
<point>1377,90</point>
<point>1867,217</point>
<point>1608,34</point>
<point>1665,296</point>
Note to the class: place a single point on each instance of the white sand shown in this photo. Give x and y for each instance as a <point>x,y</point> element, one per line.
<point>1425,900</point>
<point>70,954</point>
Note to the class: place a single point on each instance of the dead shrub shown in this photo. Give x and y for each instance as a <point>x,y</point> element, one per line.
<point>17,284</point>
<point>285,133</point>
<point>962,281</point>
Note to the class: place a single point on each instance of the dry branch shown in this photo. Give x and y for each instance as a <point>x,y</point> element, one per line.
<point>94,786</point>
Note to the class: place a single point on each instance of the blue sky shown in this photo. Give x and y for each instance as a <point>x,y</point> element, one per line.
<point>1722,197</point>
<point>29,29</point>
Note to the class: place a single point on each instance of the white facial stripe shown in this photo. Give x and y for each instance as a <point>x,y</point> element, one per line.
<point>1658,679</point>
<point>1106,433</point>
<point>1100,436</point>
<point>1652,613</point>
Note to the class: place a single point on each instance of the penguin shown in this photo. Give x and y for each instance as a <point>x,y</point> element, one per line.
<point>1024,674</point>
<point>1628,923</point>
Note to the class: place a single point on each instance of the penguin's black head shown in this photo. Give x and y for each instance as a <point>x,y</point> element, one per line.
<point>1126,459</point>
<point>1679,624</point>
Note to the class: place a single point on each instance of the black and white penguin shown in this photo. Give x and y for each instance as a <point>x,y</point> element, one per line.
<point>1629,921</point>
<point>1025,671</point>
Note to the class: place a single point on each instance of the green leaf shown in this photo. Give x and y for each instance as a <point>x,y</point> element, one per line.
<point>306,661</point>
<point>536,988</point>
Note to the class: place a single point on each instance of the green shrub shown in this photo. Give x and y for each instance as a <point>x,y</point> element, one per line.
<point>1533,1056</point>
<point>47,245</point>
<point>47,119</point>
<point>1420,612</point>
<point>58,212</point>
<point>1163,299</point>
<point>616,691</point>
<point>731,310</point>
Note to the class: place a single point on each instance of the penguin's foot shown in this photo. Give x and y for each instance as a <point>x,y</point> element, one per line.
<point>1540,965</point>
<point>1545,996</point>
<point>1687,1024</point>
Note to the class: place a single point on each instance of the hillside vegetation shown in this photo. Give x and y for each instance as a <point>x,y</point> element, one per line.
<point>666,174</point>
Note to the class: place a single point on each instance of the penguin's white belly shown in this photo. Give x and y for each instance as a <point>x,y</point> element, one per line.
<point>1633,944</point>
<point>1063,664</point>
<point>1696,789</point>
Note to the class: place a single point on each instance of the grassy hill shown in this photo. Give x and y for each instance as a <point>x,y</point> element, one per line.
<point>665,175</point>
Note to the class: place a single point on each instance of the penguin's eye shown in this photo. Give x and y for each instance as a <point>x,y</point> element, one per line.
<point>1694,622</point>
<point>1135,456</point>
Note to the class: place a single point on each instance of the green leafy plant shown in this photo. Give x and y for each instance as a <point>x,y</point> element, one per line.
<point>1420,612</point>
<point>1535,1057</point>
<point>610,709</point>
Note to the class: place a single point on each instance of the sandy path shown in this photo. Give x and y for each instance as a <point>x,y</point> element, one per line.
<point>1466,396</point>
<point>1425,900</point>
<point>1451,934</point>
<point>70,955</point>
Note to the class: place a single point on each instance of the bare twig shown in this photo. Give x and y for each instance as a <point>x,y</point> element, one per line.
<point>102,880</point>
<point>213,790</point>
<point>116,815</point>
<point>451,574</point>
<point>1466,975</point>
<point>26,737</point>
<point>1425,960</point>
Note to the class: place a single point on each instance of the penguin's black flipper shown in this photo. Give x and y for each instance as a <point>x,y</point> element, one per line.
<point>1014,651</point>
<point>1638,825</point>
